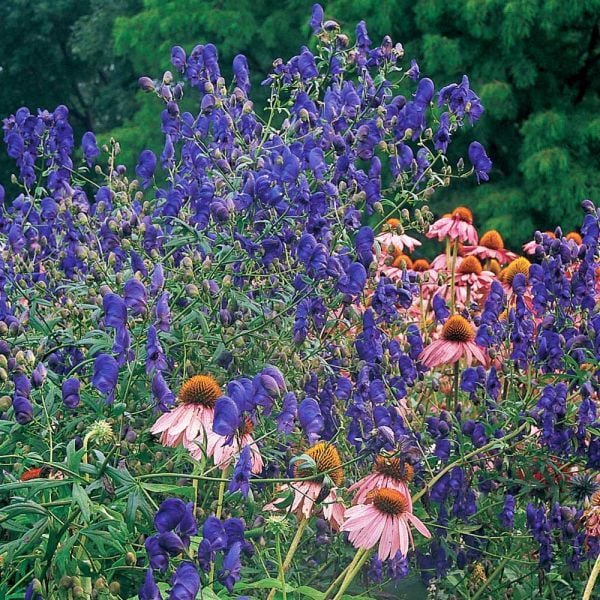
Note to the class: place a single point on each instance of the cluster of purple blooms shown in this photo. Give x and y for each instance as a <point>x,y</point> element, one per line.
<point>253,249</point>
<point>175,524</point>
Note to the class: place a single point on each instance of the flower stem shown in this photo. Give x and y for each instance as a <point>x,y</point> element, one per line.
<point>453,276</point>
<point>281,569</point>
<point>455,387</point>
<point>291,551</point>
<point>359,560</point>
<point>218,513</point>
<point>221,494</point>
<point>587,593</point>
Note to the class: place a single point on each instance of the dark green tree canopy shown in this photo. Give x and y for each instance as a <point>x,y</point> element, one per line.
<point>535,64</point>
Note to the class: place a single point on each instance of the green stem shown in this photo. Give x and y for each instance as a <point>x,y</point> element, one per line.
<point>359,560</point>
<point>491,578</point>
<point>218,513</point>
<point>281,569</point>
<point>221,494</point>
<point>587,593</point>
<point>291,551</point>
<point>341,577</point>
<point>453,276</point>
<point>456,386</point>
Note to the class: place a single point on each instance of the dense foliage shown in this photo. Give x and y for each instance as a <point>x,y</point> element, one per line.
<point>218,381</point>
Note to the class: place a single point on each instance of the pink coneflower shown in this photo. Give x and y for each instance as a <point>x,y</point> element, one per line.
<point>399,241</point>
<point>388,472</point>
<point>471,281</point>
<point>189,422</point>
<point>457,226</point>
<point>308,493</point>
<point>456,341</point>
<point>394,267</point>
<point>223,453</point>
<point>491,246</point>
<point>386,519</point>
<point>440,263</point>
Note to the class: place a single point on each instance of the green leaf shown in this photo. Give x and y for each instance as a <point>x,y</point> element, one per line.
<point>82,500</point>
<point>165,488</point>
<point>264,584</point>
<point>310,592</point>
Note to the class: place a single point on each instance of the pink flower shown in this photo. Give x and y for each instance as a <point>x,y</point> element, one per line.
<point>456,341</point>
<point>388,472</point>
<point>189,422</point>
<point>491,246</point>
<point>306,494</point>
<point>326,463</point>
<point>224,453</point>
<point>385,520</point>
<point>399,242</point>
<point>186,424</point>
<point>456,226</point>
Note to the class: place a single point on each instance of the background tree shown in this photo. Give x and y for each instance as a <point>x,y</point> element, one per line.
<point>535,64</point>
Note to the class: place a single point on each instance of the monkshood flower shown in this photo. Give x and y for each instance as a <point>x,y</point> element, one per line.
<point>157,281</point>
<point>540,530</point>
<point>106,374</point>
<point>364,246</point>
<point>162,313</point>
<point>241,473</point>
<point>190,421</point>
<point>146,167</point>
<point>115,311</point>
<point>285,419</point>
<point>456,341</point>
<point>480,161</point>
<point>162,394</point>
<point>38,375</point>
<point>185,582</point>
<point>231,434</point>
<point>232,565</point>
<point>176,516</point>
<point>311,419</point>
<point>316,18</point>
<point>155,356</point>
<point>214,539</point>
<point>90,148</point>
<point>384,520</point>
<point>461,100</point>
<point>149,589</point>
<point>70,392</point>
<point>134,295</point>
<point>157,555</point>
<point>21,402</point>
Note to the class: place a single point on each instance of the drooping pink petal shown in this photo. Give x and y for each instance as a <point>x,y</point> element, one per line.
<point>419,525</point>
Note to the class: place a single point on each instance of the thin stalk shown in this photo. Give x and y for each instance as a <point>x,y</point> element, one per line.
<point>364,555</point>
<point>491,578</point>
<point>453,276</point>
<point>291,551</point>
<point>589,587</point>
<point>455,386</point>
<point>281,569</point>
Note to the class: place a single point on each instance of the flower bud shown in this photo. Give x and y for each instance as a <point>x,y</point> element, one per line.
<point>146,84</point>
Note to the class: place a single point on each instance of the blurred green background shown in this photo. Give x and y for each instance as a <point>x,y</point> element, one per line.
<point>535,64</point>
